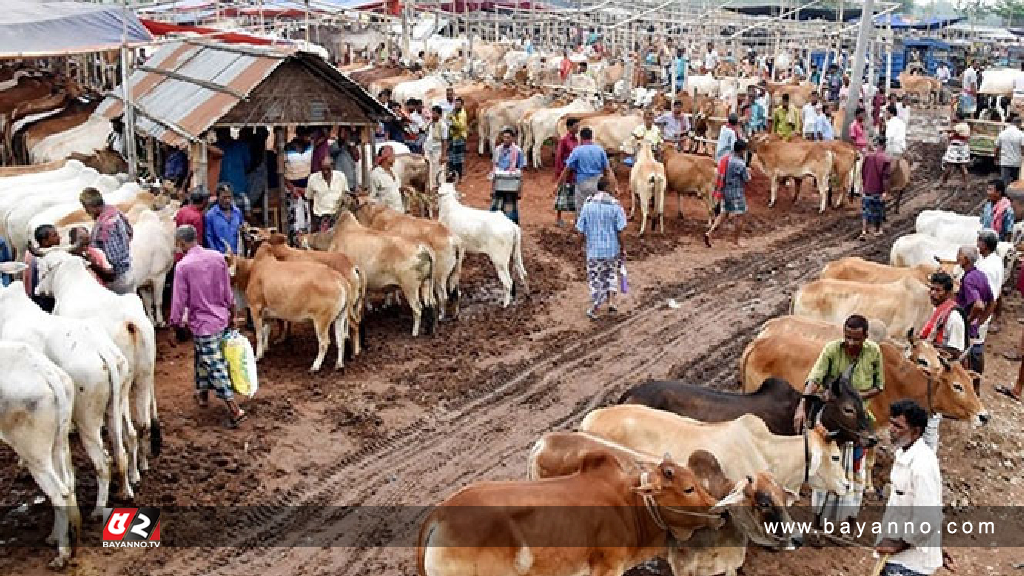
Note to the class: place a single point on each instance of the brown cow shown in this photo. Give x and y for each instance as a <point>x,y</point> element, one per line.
<point>690,173</point>
<point>792,160</point>
<point>903,304</point>
<point>858,269</point>
<point>913,370</point>
<point>925,88</point>
<point>603,520</point>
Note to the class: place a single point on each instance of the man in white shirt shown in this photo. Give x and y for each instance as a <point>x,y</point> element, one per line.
<point>810,118</point>
<point>991,265</point>
<point>895,134</point>
<point>674,125</point>
<point>710,59</point>
<point>1008,149</point>
<point>946,330</point>
<point>912,524</point>
<point>903,109</point>
<point>435,147</point>
<point>969,82</point>
<point>942,74</point>
<point>325,188</point>
<point>448,104</point>
<point>1018,85</point>
<point>384,185</point>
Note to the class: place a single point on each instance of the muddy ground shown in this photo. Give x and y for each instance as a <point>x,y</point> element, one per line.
<point>413,419</point>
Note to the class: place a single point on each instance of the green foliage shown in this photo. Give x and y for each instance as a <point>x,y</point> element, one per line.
<point>1010,10</point>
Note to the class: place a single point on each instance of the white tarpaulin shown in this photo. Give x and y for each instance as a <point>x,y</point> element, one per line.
<point>31,28</point>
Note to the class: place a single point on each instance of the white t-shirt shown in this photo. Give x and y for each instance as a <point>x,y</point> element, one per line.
<point>942,74</point>
<point>895,136</point>
<point>903,112</point>
<point>437,133</point>
<point>1009,142</point>
<point>810,117</point>
<point>970,78</point>
<point>1018,85</point>
<point>711,60</point>
<point>326,196</point>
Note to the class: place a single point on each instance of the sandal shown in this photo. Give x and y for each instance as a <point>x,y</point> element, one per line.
<point>863,236</point>
<point>1007,392</point>
<point>613,310</point>
<point>202,399</point>
<point>707,239</point>
<point>234,421</point>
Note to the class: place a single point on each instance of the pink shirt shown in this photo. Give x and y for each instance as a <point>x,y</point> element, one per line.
<point>98,259</point>
<point>202,286</point>
<point>860,139</point>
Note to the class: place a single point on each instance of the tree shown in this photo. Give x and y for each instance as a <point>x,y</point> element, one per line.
<point>1011,11</point>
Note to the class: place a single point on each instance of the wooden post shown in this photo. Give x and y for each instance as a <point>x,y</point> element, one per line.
<point>368,154</point>
<point>280,135</point>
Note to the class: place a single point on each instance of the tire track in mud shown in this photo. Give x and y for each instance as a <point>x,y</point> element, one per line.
<point>485,433</point>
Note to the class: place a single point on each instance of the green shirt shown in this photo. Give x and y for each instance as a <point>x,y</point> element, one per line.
<point>869,372</point>
<point>785,121</point>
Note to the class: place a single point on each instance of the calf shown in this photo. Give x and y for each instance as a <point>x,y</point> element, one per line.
<point>96,367</point>
<point>647,181</point>
<point>490,233</point>
<point>294,291</point>
<point>602,519</point>
<point>35,418</point>
<point>389,260</point>
<point>446,246</point>
<point>774,402</point>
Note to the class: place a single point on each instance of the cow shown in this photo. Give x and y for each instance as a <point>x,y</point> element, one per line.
<point>447,247</point>
<point>542,124</point>
<point>483,232</point>
<point>388,260</point>
<point>917,249</point>
<point>775,402</point>
<point>65,277</point>
<point>152,250</point>
<point>646,182</point>
<point>277,245</point>
<point>792,160</point>
<point>855,268</point>
<point>603,519</point>
<point>798,93</point>
<point>35,419</point>
<point>753,501</point>
<point>611,131</point>
<point>96,367</point>
<point>86,138</point>
<point>921,86</point>
<point>956,228</point>
<point>499,115</point>
<point>786,324</point>
<point>903,304</point>
<point>913,370</point>
<point>744,446</point>
<point>270,287</point>
<point>690,173</point>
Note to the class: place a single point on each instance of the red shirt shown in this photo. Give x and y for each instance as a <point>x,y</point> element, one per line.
<point>189,215</point>
<point>875,172</point>
<point>565,147</point>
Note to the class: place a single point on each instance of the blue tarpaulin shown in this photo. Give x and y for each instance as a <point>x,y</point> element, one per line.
<point>31,28</point>
<point>908,22</point>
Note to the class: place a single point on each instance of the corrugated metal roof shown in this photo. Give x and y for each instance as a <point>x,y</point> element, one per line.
<point>204,82</point>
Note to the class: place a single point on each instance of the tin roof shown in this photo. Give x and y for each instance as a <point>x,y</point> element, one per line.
<point>188,85</point>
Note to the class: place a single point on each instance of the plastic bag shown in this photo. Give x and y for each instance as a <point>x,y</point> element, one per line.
<point>623,282</point>
<point>241,363</point>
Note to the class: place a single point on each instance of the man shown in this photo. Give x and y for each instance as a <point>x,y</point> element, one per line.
<point>942,73</point>
<point>975,297</point>
<point>435,148</point>
<point>758,120</point>
<point>895,134</point>
<point>1008,149</point>
<point>969,80</point>
<point>383,187</point>
<point>95,260</point>
<point>601,221</point>
<point>394,130</point>
<point>509,159</point>
<point>835,83</point>
<point>876,170</point>
<point>858,132</point>
<point>46,236</point>
<point>710,59</point>
<point>732,176</point>
<point>448,104</point>
<point>946,330</point>
<point>648,132</point>
<point>191,214</point>
<point>681,64</point>
<point>815,74</point>
<point>674,125</point>
<point>223,222</point>
<point>825,129</point>
<point>565,67</point>
<point>235,165</point>
<point>588,162</point>
<point>1018,85</point>
<point>458,130</point>
<point>785,119</point>
<point>727,137</point>
<point>915,499</point>
<point>997,212</point>
<point>565,196</point>
<point>326,188</point>
<point>113,235</point>
<point>202,289</point>
<point>903,109</point>
<point>809,118</point>
<point>414,127</point>
<point>858,361</point>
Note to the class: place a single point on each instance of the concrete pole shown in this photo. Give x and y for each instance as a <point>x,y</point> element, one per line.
<point>406,32</point>
<point>129,106</point>
<point>888,55</point>
<point>867,27</point>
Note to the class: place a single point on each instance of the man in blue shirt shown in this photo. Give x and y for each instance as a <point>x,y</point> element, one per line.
<point>222,222</point>
<point>601,221</point>
<point>234,166</point>
<point>589,162</point>
<point>510,160</point>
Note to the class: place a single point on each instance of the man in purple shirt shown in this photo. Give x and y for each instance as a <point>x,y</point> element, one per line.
<point>975,298</point>
<point>202,288</point>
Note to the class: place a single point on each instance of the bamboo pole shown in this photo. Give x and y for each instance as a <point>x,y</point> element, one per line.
<point>863,38</point>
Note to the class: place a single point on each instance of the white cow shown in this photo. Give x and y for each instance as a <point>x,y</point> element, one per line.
<point>543,124</point>
<point>706,85</point>
<point>999,81</point>
<point>42,197</point>
<point>418,88</point>
<point>397,147</point>
<point>152,249</point>
<point>23,221</point>
<point>78,295</point>
<point>70,170</point>
<point>86,138</point>
<point>484,232</point>
<point>94,364</point>
<point>956,228</point>
<point>504,114</point>
<point>35,418</point>
<point>914,249</point>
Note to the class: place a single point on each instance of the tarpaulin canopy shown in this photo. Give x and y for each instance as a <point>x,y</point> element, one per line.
<point>906,21</point>
<point>32,28</point>
<point>165,28</point>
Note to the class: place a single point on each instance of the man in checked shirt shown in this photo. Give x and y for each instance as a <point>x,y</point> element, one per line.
<point>112,234</point>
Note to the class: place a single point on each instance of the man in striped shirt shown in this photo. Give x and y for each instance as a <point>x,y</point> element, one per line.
<point>601,220</point>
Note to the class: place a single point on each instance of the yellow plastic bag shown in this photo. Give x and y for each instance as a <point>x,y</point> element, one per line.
<point>241,363</point>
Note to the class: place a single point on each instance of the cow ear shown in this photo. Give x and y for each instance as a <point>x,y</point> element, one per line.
<point>910,335</point>
<point>791,497</point>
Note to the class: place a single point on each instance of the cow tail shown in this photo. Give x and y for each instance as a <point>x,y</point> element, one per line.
<point>114,379</point>
<point>517,255</point>
<point>747,351</point>
<point>145,354</point>
<point>451,286</point>
<point>830,160</point>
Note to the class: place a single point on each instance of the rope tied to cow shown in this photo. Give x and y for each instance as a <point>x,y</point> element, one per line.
<point>655,509</point>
